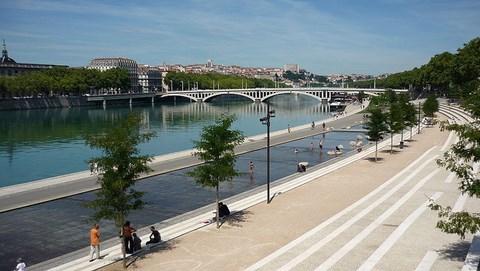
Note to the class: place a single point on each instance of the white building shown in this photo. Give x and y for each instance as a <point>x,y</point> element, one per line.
<point>131,66</point>
<point>291,67</point>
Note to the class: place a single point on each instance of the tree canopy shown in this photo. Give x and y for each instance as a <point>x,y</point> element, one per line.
<point>430,106</point>
<point>64,81</point>
<point>376,126</point>
<point>121,165</point>
<point>461,159</point>
<point>216,149</point>
<point>446,74</point>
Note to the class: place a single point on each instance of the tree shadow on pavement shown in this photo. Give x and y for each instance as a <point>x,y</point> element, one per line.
<point>146,252</point>
<point>237,218</point>
<point>372,159</point>
<point>455,251</point>
<point>394,151</point>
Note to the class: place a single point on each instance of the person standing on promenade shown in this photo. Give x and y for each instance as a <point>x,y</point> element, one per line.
<point>313,125</point>
<point>323,126</point>
<point>288,128</point>
<point>311,146</point>
<point>154,236</point>
<point>95,242</point>
<point>320,145</point>
<point>92,167</point>
<point>127,237</point>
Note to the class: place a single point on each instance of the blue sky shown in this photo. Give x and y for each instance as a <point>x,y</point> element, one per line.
<point>323,37</point>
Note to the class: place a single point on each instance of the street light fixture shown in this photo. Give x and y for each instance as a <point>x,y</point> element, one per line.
<point>266,121</point>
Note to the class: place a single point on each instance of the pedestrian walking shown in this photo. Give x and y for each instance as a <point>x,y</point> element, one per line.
<point>311,146</point>
<point>323,126</point>
<point>320,145</point>
<point>288,128</point>
<point>20,265</point>
<point>95,242</point>
<point>313,125</point>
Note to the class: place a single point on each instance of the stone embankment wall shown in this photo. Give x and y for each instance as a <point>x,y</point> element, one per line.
<point>37,103</point>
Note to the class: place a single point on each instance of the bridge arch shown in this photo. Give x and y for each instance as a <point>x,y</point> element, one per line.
<point>213,95</point>
<point>290,92</point>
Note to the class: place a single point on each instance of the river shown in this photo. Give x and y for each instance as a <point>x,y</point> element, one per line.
<point>42,143</point>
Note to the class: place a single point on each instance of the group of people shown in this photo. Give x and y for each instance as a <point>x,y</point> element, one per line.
<point>131,240</point>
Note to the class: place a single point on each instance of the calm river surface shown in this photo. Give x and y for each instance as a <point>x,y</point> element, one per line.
<point>42,143</point>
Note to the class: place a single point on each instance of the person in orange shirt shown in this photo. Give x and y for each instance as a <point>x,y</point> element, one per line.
<point>127,237</point>
<point>95,242</point>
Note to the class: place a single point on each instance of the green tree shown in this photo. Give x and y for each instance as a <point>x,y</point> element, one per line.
<point>394,114</point>
<point>216,149</point>
<point>376,126</point>
<point>430,106</point>
<point>121,164</point>
<point>459,159</point>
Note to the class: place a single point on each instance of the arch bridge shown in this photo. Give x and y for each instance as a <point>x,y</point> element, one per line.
<point>323,94</point>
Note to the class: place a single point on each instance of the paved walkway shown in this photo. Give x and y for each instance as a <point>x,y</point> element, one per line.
<point>352,215</point>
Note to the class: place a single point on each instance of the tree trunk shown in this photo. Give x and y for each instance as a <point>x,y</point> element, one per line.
<point>122,240</point>
<point>391,143</point>
<point>218,211</point>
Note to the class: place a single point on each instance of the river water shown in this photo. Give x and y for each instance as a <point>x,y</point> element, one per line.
<point>42,143</point>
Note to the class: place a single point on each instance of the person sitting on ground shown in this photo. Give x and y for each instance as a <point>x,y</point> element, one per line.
<point>154,236</point>
<point>137,242</point>
<point>223,210</point>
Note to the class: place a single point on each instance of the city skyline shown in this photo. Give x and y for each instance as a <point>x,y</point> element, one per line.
<point>331,37</point>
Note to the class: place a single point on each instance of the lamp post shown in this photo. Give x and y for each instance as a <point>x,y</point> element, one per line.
<point>171,85</point>
<point>266,121</point>
<point>182,85</point>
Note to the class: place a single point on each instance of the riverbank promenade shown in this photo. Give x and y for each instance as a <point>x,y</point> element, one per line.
<point>354,214</point>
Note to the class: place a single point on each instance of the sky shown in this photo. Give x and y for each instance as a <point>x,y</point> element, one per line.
<point>324,37</point>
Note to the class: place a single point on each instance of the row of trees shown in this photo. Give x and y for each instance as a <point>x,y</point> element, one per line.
<point>122,164</point>
<point>64,81</point>
<point>446,74</point>
<point>213,81</point>
<point>390,113</point>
